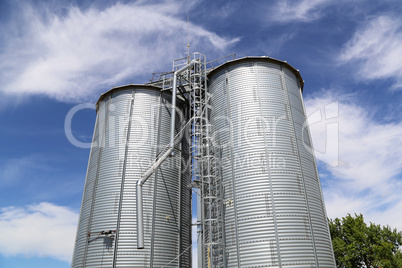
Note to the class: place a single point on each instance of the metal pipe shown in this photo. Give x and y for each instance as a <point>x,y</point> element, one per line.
<point>140,183</point>
<point>174,90</point>
<point>173,113</point>
<point>151,170</point>
<point>140,227</point>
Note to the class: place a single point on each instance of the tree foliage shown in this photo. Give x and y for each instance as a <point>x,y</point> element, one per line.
<point>357,244</point>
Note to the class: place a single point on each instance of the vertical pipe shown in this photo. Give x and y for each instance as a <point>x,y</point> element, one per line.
<point>140,227</point>
<point>148,173</point>
<point>157,152</point>
<point>173,113</point>
<point>179,211</point>
<point>174,93</point>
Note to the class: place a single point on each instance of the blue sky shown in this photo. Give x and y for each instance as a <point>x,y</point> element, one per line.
<point>57,54</point>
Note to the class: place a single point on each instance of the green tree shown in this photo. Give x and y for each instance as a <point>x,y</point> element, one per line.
<point>398,256</point>
<point>357,244</point>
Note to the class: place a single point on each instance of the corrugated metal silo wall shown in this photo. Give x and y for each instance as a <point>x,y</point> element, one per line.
<point>274,210</point>
<point>109,199</point>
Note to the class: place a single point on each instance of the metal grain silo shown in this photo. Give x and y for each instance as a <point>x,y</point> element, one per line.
<point>274,214</point>
<point>131,129</point>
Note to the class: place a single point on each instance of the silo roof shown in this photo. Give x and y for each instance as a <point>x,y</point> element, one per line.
<point>261,58</point>
<point>115,89</point>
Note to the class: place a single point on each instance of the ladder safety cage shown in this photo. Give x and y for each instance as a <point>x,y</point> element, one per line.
<point>191,84</point>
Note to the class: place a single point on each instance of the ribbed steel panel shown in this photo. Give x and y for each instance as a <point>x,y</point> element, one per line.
<point>274,211</point>
<point>109,199</point>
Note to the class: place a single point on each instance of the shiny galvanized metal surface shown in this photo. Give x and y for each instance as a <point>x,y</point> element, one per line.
<point>123,149</point>
<point>274,210</point>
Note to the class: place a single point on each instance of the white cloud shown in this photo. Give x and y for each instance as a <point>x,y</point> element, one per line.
<point>368,177</point>
<point>303,10</point>
<point>73,56</point>
<point>376,49</point>
<point>42,230</point>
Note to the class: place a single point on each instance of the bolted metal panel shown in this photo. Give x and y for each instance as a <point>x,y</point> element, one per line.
<point>130,131</point>
<point>274,210</point>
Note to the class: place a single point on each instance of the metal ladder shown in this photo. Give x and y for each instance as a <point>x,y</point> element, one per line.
<point>205,156</point>
<point>205,168</point>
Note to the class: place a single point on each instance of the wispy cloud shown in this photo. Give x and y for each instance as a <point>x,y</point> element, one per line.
<point>370,160</point>
<point>272,48</point>
<point>13,170</point>
<point>37,177</point>
<point>71,56</point>
<point>302,10</point>
<point>376,49</point>
<point>41,230</point>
